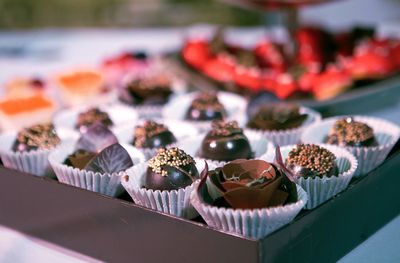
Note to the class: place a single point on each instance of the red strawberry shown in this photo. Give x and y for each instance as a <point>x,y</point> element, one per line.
<point>269,55</point>
<point>331,83</point>
<point>248,77</point>
<point>222,68</point>
<point>285,86</point>
<point>269,80</point>
<point>370,63</point>
<point>396,54</point>
<point>196,53</point>
<point>306,80</point>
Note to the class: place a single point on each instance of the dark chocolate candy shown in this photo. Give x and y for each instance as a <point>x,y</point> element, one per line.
<point>39,136</point>
<point>152,135</point>
<point>277,116</point>
<point>348,132</point>
<point>154,90</point>
<point>206,107</point>
<point>92,116</point>
<point>310,160</point>
<point>225,142</point>
<point>79,159</point>
<point>170,169</point>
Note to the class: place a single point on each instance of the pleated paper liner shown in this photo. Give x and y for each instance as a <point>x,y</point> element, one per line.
<point>255,223</point>
<point>174,202</point>
<point>104,183</point>
<point>259,145</point>
<point>386,133</point>
<point>33,162</point>
<point>181,131</point>
<point>319,189</point>
<point>234,105</point>
<point>290,136</point>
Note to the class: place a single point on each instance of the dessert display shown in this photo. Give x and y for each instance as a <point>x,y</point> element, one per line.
<point>369,139</point>
<point>91,116</point>
<point>170,169</point>
<point>225,142</point>
<point>24,87</point>
<point>16,113</point>
<point>165,182</point>
<point>81,86</point>
<point>326,64</point>
<point>27,150</point>
<point>37,137</point>
<point>96,157</point>
<point>310,160</point>
<point>248,191</point>
<point>279,116</point>
<point>205,107</point>
<point>348,132</point>
<point>152,135</point>
<point>147,90</point>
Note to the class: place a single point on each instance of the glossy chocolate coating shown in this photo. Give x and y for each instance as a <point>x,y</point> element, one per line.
<point>91,116</point>
<point>176,178</point>
<point>225,148</point>
<point>299,171</point>
<point>195,114</point>
<point>160,140</point>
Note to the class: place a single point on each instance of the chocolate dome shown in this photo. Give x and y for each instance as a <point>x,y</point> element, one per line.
<point>206,107</point>
<point>152,135</point>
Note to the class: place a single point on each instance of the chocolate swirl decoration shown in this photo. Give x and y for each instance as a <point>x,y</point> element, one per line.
<point>247,184</point>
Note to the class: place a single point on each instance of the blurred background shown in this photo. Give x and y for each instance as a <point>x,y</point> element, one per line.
<point>22,14</point>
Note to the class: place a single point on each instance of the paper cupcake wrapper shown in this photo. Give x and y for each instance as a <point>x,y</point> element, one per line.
<point>32,162</point>
<point>104,183</point>
<point>291,136</point>
<point>386,133</point>
<point>259,144</point>
<point>175,202</point>
<point>234,104</point>
<point>120,114</point>
<point>256,223</point>
<point>181,131</point>
<point>319,189</point>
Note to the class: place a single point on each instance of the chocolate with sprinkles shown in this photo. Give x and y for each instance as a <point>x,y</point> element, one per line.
<point>348,132</point>
<point>91,116</point>
<point>206,106</point>
<point>39,136</point>
<point>170,169</point>
<point>152,135</point>
<point>310,160</point>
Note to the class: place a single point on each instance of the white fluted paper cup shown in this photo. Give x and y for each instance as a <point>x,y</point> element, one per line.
<point>319,189</point>
<point>34,162</point>
<point>291,136</point>
<point>259,145</point>
<point>181,131</point>
<point>65,121</point>
<point>386,133</point>
<point>252,223</point>
<point>174,202</point>
<point>235,106</point>
<point>104,183</point>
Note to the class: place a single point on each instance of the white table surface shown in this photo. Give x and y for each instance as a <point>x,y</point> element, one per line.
<point>50,51</point>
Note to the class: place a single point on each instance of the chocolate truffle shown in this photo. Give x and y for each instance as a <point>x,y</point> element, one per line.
<point>153,90</point>
<point>310,160</point>
<point>79,159</point>
<point>348,132</point>
<point>36,137</point>
<point>91,116</point>
<point>170,169</point>
<point>249,184</point>
<point>225,142</point>
<point>206,107</point>
<point>277,116</point>
<point>152,135</point>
